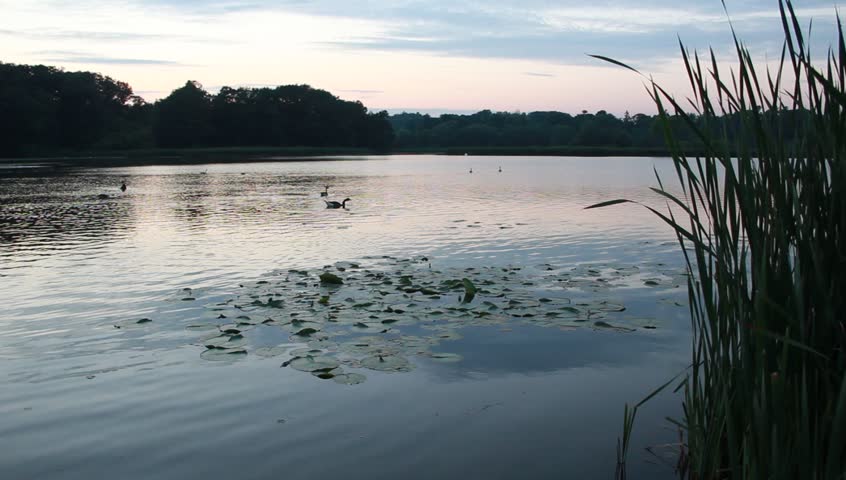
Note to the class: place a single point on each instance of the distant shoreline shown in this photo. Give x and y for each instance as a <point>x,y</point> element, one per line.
<point>196,156</point>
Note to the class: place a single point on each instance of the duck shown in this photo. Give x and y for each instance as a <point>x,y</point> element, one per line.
<point>471,170</point>
<point>333,204</point>
<point>500,169</point>
<point>122,186</point>
<point>325,193</point>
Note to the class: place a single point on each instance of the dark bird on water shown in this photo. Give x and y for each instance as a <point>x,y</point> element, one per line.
<point>500,169</point>
<point>122,186</point>
<point>334,204</point>
<point>471,170</point>
<point>325,193</point>
<point>102,196</point>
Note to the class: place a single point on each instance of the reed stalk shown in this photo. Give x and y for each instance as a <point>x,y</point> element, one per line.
<point>760,218</point>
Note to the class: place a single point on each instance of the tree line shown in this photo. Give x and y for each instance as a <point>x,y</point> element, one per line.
<point>535,129</point>
<point>48,111</point>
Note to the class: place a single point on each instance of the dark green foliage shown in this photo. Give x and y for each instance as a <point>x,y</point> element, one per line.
<point>763,216</point>
<point>183,119</point>
<point>536,129</point>
<point>330,278</point>
<point>294,115</point>
<point>47,111</point>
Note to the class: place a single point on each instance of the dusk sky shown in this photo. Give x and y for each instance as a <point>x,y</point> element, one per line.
<point>430,56</point>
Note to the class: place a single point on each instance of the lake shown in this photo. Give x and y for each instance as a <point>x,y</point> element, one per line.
<point>180,329</point>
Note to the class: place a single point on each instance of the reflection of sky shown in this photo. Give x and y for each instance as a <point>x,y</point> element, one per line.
<point>525,401</point>
<point>503,55</point>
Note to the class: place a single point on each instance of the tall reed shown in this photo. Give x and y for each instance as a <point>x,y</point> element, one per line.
<point>761,220</point>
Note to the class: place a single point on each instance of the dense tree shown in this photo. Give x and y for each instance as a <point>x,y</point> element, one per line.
<point>183,119</point>
<point>535,129</point>
<point>45,108</point>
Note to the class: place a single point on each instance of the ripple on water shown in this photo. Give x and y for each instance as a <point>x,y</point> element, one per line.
<point>76,266</point>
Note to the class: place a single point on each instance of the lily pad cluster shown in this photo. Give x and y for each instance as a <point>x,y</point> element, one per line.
<point>378,313</point>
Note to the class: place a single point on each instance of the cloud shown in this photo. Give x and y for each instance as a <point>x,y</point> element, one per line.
<point>365,92</point>
<point>538,30</point>
<point>80,35</point>
<point>77,57</point>
<point>99,36</point>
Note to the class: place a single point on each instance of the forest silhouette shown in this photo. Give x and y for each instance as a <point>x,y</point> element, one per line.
<point>48,111</point>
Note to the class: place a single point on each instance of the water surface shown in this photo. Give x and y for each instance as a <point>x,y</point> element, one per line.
<point>83,399</point>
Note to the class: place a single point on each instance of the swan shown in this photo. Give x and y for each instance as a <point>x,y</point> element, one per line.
<point>334,204</point>
<point>325,193</point>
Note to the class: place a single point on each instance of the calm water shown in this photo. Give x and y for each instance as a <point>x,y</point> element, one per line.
<point>83,399</point>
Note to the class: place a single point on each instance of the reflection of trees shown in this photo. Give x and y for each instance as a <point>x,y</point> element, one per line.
<point>30,217</point>
<point>58,212</point>
<point>227,200</point>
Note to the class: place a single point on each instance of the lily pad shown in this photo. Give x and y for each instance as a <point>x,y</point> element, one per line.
<point>445,357</point>
<point>224,341</point>
<point>269,352</point>
<point>330,279</point>
<point>387,363</point>
<point>312,363</point>
<point>469,290</point>
<point>226,355</point>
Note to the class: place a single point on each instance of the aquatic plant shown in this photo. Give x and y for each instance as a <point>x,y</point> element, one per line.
<point>380,313</point>
<point>763,212</point>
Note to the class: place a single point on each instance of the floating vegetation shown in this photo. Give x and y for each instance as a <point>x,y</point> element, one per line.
<point>330,278</point>
<point>309,363</point>
<point>132,323</point>
<point>387,363</point>
<point>445,357</point>
<point>269,352</point>
<point>386,310</point>
<point>221,354</point>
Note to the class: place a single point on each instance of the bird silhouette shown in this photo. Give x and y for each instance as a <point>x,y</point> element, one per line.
<point>334,204</point>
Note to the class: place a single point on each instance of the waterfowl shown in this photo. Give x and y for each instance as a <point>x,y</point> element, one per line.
<point>103,196</point>
<point>471,170</point>
<point>334,204</point>
<point>122,186</point>
<point>325,193</point>
<point>500,169</point>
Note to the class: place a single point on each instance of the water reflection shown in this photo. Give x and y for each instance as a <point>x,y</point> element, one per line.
<point>74,266</point>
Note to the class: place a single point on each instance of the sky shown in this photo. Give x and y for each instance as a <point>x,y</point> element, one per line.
<point>401,55</point>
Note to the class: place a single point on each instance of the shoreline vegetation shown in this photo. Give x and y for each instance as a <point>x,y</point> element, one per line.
<point>87,118</point>
<point>196,156</point>
<point>761,226</point>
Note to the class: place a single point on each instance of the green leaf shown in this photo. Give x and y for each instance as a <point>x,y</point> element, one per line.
<point>608,203</point>
<point>469,290</point>
<point>330,278</point>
